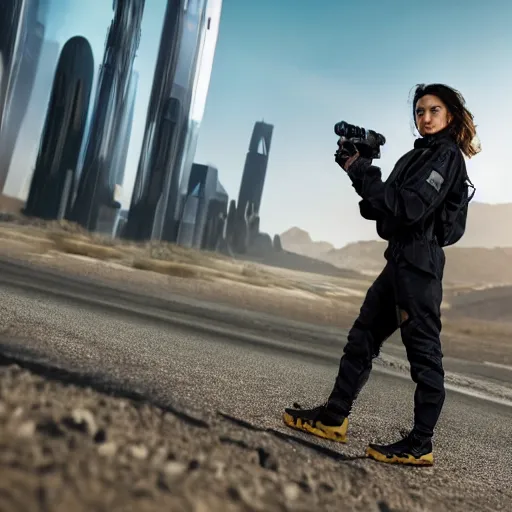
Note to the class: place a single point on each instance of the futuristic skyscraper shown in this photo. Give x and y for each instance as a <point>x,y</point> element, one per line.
<point>97,181</point>
<point>169,141</point>
<point>241,228</point>
<point>69,85</point>
<point>63,131</point>
<point>205,203</point>
<point>200,90</point>
<point>22,33</point>
<point>255,168</point>
<point>49,76</point>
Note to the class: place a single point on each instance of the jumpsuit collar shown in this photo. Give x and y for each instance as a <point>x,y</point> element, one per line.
<point>429,140</point>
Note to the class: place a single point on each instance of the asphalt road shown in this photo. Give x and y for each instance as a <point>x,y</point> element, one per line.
<point>204,366</point>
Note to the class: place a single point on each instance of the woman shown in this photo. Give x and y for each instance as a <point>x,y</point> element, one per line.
<point>419,209</point>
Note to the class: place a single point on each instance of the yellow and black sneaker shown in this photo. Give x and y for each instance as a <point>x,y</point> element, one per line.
<point>319,421</point>
<point>412,450</point>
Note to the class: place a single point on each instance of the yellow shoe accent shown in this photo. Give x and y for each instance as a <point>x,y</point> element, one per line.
<point>317,428</point>
<point>424,460</point>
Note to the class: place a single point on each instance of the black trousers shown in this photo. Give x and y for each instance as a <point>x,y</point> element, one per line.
<point>402,297</point>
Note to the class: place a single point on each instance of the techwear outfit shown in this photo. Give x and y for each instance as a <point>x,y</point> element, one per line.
<point>420,208</point>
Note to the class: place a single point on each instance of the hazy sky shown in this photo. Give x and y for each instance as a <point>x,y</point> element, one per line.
<point>302,68</point>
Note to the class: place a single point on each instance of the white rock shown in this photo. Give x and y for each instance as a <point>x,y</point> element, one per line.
<point>107,449</point>
<point>27,429</point>
<point>291,491</point>
<point>86,418</point>
<point>175,468</point>
<point>139,451</point>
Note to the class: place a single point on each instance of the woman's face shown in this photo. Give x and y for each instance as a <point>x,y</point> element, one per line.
<point>431,115</point>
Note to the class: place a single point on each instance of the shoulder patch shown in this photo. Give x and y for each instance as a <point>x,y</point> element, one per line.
<point>435,180</point>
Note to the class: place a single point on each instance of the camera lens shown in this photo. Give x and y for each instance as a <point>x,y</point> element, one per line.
<point>344,129</point>
<point>350,131</point>
<point>339,129</point>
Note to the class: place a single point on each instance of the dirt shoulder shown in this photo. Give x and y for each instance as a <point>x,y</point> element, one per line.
<point>319,300</point>
<point>293,295</point>
<point>66,448</point>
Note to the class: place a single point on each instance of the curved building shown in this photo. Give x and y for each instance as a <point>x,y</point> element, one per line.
<point>69,95</point>
<point>95,192</point>
<point>49,74</point>
<point>63,130</point>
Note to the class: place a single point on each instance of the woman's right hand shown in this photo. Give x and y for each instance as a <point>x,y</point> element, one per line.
<point>347,154</point>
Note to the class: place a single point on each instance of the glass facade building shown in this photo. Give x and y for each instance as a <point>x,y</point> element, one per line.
<point>205,205</point>
<point>69,86</point>
<point>171,133</point>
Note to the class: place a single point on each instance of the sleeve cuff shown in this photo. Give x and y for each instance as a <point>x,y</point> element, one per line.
<point>359,168</point>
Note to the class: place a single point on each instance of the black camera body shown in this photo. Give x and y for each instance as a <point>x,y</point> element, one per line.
<point>367,142</point>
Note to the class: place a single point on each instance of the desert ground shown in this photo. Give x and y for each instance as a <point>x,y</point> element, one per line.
<point>70,442</point>
<point>477,321</point>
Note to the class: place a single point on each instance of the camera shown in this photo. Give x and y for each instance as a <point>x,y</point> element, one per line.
<point>367,142</point>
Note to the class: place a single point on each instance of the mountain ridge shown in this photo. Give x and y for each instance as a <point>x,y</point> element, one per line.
<point>483,256</point>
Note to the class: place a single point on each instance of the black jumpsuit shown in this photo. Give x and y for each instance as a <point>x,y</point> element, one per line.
<point>408,292</point>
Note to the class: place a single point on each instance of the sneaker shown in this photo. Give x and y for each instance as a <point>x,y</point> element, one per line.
<point>319,421</point>
<point>411,450</point>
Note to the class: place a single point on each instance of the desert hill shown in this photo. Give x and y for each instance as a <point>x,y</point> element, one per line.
<point>465,266</point>
<point>482,258</point>
<point>298,241</point>
<point>477,266</point>
<point>488,226</point>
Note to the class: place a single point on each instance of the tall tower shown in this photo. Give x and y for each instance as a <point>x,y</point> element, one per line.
<point>95,192</point>
<point>255,169</point>
<point>157,180</point>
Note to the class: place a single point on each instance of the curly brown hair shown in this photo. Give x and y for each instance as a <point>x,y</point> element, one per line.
<point>462,126</point>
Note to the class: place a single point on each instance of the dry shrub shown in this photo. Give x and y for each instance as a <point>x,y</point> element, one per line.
<point>27,242</point>
<point>251,271</point>
<point>61,238</point>
<point>18,219</point>
<point>173,252</point>
<point>84,248</point>
<point>170,268</point>
<point>191,270</point>
<point>162,257</point>
<point>239,278</point>
<point>254,275</point>
<point>9,234</point>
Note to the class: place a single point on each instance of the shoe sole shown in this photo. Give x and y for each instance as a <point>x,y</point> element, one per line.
<point>424,460</point>
<point>338,434</point>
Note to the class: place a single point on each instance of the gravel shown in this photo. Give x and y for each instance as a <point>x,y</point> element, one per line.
<point>65,448</point>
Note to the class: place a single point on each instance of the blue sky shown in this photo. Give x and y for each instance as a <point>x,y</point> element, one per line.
<point>302,68</point>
